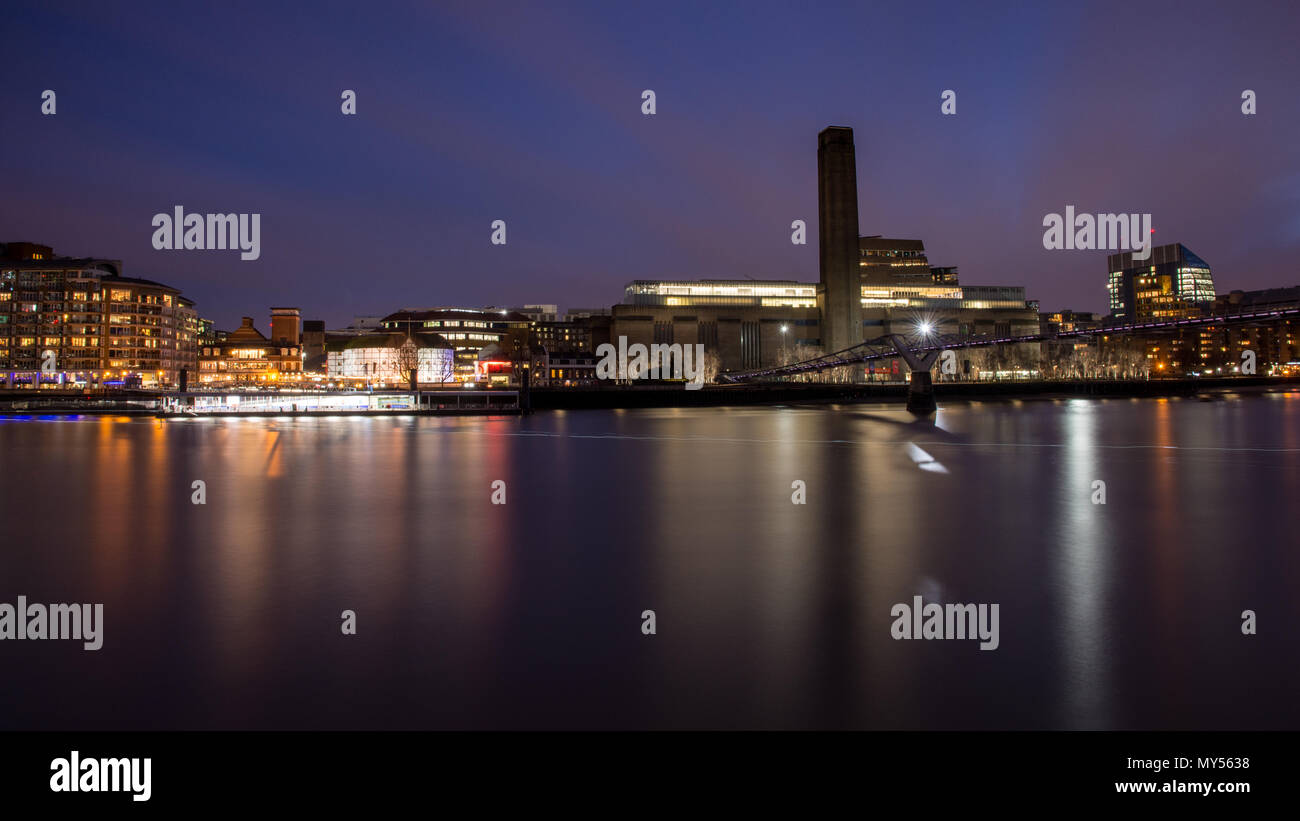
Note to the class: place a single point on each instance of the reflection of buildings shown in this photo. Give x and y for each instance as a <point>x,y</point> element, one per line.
<point>100,327</point>
<point>245,356</point>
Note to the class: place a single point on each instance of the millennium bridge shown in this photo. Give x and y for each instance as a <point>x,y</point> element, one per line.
<point>922,348</point>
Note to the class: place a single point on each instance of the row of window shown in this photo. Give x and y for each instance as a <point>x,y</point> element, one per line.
<point>248,353</point>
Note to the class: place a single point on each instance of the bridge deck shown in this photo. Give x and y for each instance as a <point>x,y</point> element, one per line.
<point>887,347</point>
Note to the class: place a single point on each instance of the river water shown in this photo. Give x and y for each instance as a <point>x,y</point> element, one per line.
<point>767,614</point>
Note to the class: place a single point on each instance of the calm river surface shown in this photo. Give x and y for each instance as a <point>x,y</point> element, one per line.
<point>768,614</point>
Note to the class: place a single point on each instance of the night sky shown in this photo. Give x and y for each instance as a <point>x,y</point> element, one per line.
<point>531,113</point>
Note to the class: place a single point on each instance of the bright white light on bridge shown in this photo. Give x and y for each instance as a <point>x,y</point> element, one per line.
<point>925,328</point>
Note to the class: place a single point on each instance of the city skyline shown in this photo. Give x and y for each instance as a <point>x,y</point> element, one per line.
<point>466,116</point>
<point>374,373</point>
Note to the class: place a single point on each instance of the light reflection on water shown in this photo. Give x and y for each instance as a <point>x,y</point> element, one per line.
<point>770,614</point>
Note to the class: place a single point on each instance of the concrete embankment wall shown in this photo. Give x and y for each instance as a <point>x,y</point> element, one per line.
<point>785,393</point>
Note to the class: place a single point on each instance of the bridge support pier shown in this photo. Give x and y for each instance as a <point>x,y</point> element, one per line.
<point>920,394</point>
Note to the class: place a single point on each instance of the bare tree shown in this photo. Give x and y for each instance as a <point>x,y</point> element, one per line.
<point>444,368</point>
<point>800,352</point>
<point>711,365</point>
<point>408,363</point>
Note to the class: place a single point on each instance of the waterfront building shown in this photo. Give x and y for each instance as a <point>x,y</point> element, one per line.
<point>496,366</point>
<point>838,248</point>
<point>313,346</point>
<point>286,326</point>
<point>746,323</point>
<point>873,286</point>
<point>893,261</point>
<point>387,359</point>
<point>759,323</point>
<point>469,331</point>
<point>568,370</point>
<point>560,336</point>
<point>208,330</point>
<point>1275,342</point>
<point>1172,283</point>
<point>585,313</point>
<point>563,351</point>
<point>245,356</point>
<point>946,275</point>
<point>1070,321</point>
<point>359,326</point>
<point>99,327</point>
<point>728,292</point>
<point>537,313</point>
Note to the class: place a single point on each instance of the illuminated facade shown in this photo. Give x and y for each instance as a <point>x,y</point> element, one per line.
<point>893,261</point>
<point>730,292</point>
<point>733,319</point>
<point>566,370</point>
<point>468,331</point>
<point>946,275</point>
<point>1172,283</point>
<point>759,323</point>
<point>93,325</point>
<point>387,359</point>
<point>1070,321</point>
<point>246,356</point>
<point>1219,350</point>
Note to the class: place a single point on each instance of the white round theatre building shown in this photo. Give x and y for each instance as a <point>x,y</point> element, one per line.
<point>387,359</point>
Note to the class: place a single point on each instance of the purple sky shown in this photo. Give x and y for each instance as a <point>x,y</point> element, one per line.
<point>530,113</point>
